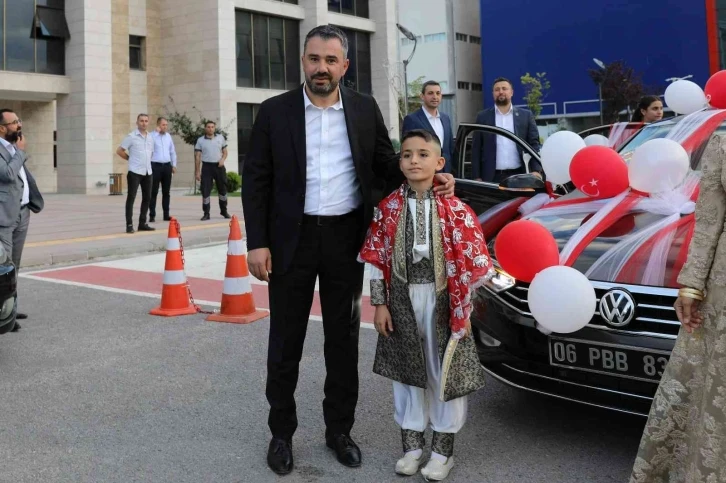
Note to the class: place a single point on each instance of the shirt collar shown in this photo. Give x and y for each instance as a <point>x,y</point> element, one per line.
<point>337,106</point>
<point>6,144</point>
<point>139,132</point>
<point>510,111</point>
<point>428,114</point>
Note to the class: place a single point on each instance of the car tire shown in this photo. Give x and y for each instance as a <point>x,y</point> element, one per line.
<point>7,324</point>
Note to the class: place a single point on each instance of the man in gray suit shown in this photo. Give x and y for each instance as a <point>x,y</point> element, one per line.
<point>18,191</point>
<point>494,157</point>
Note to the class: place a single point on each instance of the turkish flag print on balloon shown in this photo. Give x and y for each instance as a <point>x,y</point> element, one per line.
<point>599,172</point>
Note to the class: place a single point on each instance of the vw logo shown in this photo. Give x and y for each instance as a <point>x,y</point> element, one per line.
<point>617,307</point>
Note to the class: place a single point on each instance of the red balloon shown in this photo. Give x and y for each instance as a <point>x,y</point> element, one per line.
<point>599,172</point>
<point>715,90</point>
<point>524,248</point>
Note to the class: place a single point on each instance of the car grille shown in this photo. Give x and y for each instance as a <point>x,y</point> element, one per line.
<point>654,312</point>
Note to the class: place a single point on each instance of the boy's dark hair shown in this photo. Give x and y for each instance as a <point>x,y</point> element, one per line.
<point>502,79</point>
<point>423,134</point>
<point>429,83</point>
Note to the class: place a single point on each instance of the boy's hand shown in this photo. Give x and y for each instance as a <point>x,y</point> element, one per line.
<point>382,320</point>
<point>446,188</point>
<point>468,328</point>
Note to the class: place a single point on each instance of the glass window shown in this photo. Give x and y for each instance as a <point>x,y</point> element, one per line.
<point>51,56</point>
<point>51,23</point>
<point>246,114</point>
<point>358,75</point>
<point>268,51</point>
<point>19,45</point>
<point>60,4</point>
<point>136,52</point>
<point>359,8</point>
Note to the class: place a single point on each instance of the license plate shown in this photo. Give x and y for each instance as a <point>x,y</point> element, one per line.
<point>612,359</point>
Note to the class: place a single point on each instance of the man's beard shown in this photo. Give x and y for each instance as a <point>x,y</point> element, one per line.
<point>501,102</point>
<point>323,90</point>
<point>12,137</point>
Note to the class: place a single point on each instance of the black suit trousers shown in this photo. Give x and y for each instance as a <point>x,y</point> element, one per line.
<point>327,250</point>
<point>161,175</point>
<point>134,181</point>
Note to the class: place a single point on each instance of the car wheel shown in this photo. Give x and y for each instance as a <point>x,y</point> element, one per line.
<point>8,311</point>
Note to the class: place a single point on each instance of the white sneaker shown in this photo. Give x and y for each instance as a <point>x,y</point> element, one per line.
<point>408,465</point>
<point>435,470</point>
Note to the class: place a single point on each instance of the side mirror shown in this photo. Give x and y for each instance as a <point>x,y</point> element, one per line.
<point>522,182</point>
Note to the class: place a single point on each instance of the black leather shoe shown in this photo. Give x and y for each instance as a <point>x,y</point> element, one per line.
<point>16,328</point>
<point>129,229</point>
<point>346,450</point>
<point>152,219</point>
<point>146,228</point>
<point>21,316</point>
<point>279,456</point>
<point>205,217</point>
<point>226,215</point>
<point>167,218</point>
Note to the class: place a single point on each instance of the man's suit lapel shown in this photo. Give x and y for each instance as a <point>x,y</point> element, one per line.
<point>349,110</point>
<point>517,119</point>
<point>296,120</point>
<point>425,124</point>
<point>4,153</point>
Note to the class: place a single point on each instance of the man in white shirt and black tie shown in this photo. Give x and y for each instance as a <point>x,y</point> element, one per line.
<point>307,199</point>
<point>137,148</point>
<point>163,165</point>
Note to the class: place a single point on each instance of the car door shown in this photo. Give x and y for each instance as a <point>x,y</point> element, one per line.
<point>481,195</point>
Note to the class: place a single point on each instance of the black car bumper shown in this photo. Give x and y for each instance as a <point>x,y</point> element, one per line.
<point>514,351</point>
<point>8,290</point>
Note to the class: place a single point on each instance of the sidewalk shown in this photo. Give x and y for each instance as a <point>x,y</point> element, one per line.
<point>75,228</point>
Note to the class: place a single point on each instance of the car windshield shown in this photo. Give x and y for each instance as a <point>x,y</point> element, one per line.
<point>652,131</point>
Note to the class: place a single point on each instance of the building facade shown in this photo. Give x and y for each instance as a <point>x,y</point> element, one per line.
<point>87,69</point>
<point>447,50</point>
<point>659,39</point>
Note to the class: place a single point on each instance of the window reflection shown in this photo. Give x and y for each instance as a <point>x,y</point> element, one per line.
<point>19,46</point>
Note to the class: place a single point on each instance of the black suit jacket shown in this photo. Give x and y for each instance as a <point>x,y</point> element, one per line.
<point>484,146</point>
<point>274,172</point>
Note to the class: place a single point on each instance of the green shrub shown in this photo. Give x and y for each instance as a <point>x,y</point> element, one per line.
<point>234,182</point>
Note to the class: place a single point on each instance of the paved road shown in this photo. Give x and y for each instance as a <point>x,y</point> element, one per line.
<point>95,390</point>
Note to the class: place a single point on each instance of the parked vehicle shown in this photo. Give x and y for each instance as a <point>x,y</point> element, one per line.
<point>617,360</point>
<point>8,293</point>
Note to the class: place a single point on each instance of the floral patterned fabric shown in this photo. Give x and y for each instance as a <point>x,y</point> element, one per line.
<point>468,265</point>
<point>685,437</point>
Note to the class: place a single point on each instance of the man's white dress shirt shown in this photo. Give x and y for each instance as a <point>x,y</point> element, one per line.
<point>140,150</point>
<point>436,123</point>
<point>507,153</point>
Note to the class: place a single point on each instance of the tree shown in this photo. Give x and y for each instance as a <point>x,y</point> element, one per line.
<point>535,89</point>
<point>395,80</point>
<point>180,124</point>
<point>622,88</point>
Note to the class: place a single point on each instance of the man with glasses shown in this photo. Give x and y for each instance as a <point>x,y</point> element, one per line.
<point>19,193</point>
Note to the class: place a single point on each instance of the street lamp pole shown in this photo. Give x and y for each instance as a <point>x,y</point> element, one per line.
<point>600,64</point>
<point>409,36</point>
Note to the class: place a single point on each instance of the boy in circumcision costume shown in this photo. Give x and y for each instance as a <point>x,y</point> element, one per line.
<point>428,255</point>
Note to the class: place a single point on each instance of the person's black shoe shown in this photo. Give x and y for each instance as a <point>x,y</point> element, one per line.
<point>146,227</point>
<point>21,316</point>
<point>152,219</point>
<point>346,450</point>
<point>16,328</point>
<point>167,218</point>
<point>279,456</point>
<point>226,215</point>
<point>129,228</point>
<point>205,217</point>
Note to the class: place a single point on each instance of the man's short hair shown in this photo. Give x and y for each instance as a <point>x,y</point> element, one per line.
<point>328,32</point>
<point>423,134</point>
<point>159,119</point>
<point>141,115</point>
<point>2,114</point>
<point>210,122</point>
<point>502,79</point>
<point>427,84</point>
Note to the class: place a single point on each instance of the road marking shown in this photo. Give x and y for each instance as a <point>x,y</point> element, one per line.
<point>117,235</point>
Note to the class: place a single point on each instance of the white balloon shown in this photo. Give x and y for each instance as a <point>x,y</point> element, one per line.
<point>685,97</point>
<point>597,140</point>
<point>658,165</point>
<point>561,299</point>
<point>557,153</point>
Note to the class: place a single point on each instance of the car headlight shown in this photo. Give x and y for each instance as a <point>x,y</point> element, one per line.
<point>3,255</point>
<point>7,308</point>
<point>501,281</point>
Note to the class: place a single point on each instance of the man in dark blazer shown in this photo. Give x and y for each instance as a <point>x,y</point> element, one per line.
<point>495,157</point>
<point>431,119</point>
<point>306,195</point>
<point>19,192</point>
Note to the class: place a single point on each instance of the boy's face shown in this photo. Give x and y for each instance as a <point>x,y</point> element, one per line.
<point>420,159</point>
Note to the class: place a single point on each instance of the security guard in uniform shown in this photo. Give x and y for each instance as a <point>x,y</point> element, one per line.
<point>210,153</point>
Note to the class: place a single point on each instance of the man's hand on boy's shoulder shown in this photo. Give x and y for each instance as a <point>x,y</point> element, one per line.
<point>446,188</point>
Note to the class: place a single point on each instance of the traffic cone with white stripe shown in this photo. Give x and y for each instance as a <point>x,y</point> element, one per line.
<point>174,294</point>
<point>238,304</point>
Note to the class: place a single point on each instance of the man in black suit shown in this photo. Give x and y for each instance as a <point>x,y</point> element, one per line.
<point>494,157</point>
<point>306,195</point>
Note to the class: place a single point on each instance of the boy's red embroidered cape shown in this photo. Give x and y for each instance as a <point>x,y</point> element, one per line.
<point>468,264</point>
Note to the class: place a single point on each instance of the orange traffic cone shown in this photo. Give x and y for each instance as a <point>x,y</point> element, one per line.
<point>238,304</point>
<point>174,294</point>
